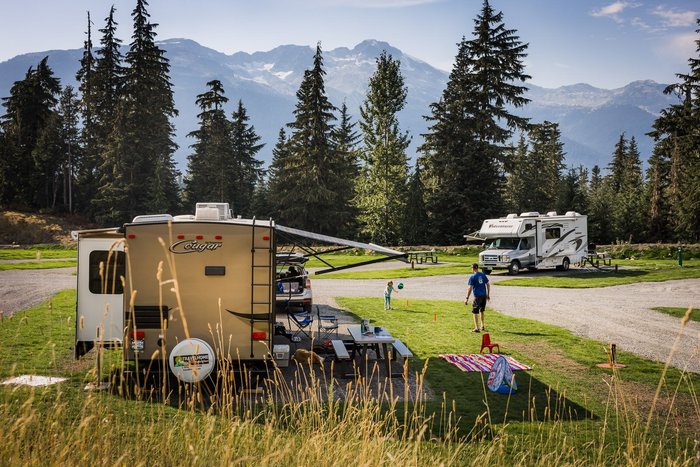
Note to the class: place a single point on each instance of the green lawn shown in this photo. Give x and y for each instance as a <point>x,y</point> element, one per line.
<point>38,265</point>
<point>580,279</point>
<point>564,366</point>
<point>679,312</point>
<point>38,253</point>
<point>565,396</point>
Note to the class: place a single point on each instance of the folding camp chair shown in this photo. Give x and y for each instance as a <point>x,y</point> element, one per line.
<point>302,324</point>
<point>327,326</point>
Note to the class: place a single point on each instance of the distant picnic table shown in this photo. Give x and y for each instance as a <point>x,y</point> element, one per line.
<point>422,256</point>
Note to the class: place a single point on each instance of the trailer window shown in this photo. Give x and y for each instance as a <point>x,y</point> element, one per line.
<point>550,234</point>
<point>113,271</point>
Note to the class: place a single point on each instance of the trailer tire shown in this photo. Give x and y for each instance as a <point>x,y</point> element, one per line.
<point>564,266</point>
<point>514,267</point>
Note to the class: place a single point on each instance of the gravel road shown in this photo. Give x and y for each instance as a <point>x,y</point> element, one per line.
<point>620,314</point>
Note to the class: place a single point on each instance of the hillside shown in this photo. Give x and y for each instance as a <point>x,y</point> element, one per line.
<point>23,228</point>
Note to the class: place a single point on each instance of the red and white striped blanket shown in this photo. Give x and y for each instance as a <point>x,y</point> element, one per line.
<point>481,362</point>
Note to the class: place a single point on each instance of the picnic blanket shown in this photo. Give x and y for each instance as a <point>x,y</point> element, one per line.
<point>481,362</point>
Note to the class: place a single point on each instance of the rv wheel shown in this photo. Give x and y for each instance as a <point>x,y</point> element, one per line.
<point>564,266</point>
<point>514,268</point>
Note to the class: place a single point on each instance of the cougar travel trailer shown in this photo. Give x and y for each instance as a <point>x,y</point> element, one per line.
<point>195,288</point>
<point>534,241</point>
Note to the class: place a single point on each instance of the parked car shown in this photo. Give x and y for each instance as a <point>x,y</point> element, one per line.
<point>293,283</point>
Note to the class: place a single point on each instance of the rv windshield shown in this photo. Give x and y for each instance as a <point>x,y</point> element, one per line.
<point>507,243</point>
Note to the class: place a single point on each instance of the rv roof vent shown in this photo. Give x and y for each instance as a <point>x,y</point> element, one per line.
<point>184,217</point>
<point>511,216</point>
<point>530,214</point>
<point>152,218</point>
<point>212,212</point>
<point>551,213</point>
<point>572,213</point>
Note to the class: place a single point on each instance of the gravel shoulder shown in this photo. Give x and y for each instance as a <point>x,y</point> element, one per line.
<point>620,314</point>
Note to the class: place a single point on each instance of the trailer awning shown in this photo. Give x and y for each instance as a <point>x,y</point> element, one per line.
<point>303,239</point>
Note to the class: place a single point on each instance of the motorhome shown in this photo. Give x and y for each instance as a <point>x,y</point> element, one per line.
<point>186,290</point>
<point>534,241</point>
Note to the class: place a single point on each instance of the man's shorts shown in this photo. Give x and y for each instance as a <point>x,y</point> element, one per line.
<point>479,305</point>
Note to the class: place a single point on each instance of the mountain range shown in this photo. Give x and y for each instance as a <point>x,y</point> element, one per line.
<point>591,119</point>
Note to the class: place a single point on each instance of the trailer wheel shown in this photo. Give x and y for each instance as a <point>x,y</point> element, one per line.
<point>564,266</point>
<point>514,267</point>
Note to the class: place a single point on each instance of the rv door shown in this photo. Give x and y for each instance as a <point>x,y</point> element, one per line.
<point>100,299</point>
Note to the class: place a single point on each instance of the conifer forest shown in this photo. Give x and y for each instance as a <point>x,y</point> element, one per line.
<point>104,151</point>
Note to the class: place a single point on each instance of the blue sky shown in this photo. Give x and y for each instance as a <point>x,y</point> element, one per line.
<point>603,43</point>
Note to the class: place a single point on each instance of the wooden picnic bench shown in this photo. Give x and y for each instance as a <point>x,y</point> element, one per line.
<point>422,256</point>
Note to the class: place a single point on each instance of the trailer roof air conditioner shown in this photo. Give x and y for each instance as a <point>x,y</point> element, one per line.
<point>212,212</point>
<point>152,218</point>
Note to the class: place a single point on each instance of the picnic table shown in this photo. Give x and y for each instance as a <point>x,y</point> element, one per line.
<point>422,256</point>
<point>363,342</point>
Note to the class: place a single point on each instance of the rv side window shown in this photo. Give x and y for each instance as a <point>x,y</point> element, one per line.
<point>550,234</point>
<point>113,271</point>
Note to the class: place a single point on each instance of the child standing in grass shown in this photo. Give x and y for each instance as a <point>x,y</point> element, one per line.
<point>387,295</point>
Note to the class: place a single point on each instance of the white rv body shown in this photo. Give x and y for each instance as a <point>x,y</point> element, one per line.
<point>534,241</point>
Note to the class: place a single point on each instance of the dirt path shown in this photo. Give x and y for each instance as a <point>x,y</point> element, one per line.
<point>620,314</point>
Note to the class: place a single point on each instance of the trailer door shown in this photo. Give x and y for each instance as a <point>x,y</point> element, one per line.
<point>100,298</point>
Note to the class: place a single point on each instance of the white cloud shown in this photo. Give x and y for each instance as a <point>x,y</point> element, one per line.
<point>614,10</point>
<point>674,18</point>
<point>679,47</point>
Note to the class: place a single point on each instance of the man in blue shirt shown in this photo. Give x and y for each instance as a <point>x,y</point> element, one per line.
<point>479,283</point>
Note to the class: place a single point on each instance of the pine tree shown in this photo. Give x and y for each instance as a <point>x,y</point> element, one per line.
<point>29,109</point>
<point>544,165</point>
<point>629,201</point>
<point>345,140</point>
<point>144,146</point>
<point>463,151</point>
<point>277,181</point>
<point>573,195</point>
<point>308,196</point>
<point>381,189</point>
<point>416,223</point>
<point>246,169</point>
<point>517,184</point>
<point>599,212</point>
<point>676,133</point>
<point>656,195</point>
<point>208,172</point>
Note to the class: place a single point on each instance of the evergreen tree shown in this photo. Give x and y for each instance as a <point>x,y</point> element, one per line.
<point>144,146</point>
<point>629,200</point>
<point>463,151</point>
<point>517,185</point>
<point>345,139</point>
<point>656,196</point>
<point>415,228</point>
<point>599,213</point>
<point>29,109</point>
<point>86,169</point>
<point>309,182</point>
<point>246,169</point>
<point>262,207</point>
<point>573,194</point>
<point>381,190</point>
<point>277,194</point>
<point>677,137</point>
<point>209,167</point>
<point>544,165</point>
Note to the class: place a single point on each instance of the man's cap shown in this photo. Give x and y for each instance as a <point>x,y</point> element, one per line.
<point>475,266</point>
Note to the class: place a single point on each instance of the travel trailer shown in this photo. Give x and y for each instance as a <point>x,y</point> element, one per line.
<point>188,289</point>
<point>534,241</point>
